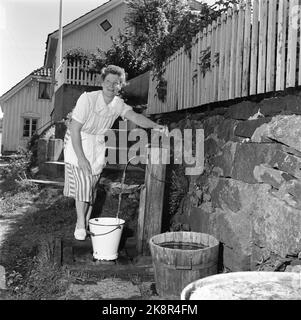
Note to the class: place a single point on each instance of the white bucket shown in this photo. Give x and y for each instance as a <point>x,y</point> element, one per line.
<point>105,235</point>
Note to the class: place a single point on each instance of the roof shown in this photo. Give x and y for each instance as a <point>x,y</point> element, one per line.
<point>41,72</point>
<point>78,23</point>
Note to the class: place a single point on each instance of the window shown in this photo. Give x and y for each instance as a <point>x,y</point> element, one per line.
<point>106,25</point>
<point>44,90</point>
<point>29,127</point>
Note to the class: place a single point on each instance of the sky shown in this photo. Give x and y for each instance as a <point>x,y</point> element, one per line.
<point>24,27</point>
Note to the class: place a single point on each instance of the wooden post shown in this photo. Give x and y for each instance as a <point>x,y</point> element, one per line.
<point>292,45</point>
<point>281,40</point>
<point>151,206</point>
<point>140,226</point>
<point>254,48</point>
<point>262,46</point>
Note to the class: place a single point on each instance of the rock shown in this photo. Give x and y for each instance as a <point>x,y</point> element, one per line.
<point>281,194</point>
<point>217,111</point>
<point>224,160</point>
<point>199,219</point>
<point>234,231</point>
<point>293,187</point>
<point>242,111</point>
<point>2,278</point>
<point>211,123</point>
<point>225,130</point>
<point>238,160</point>
<point>296,262</point>
<point>293,269</point>
<point>247,215</point>
<point>276,225</point>
<point>284,129</point>
<point>226,195</point>
<point>246,129</point>
<point>268,175</point>
<point>272,106</point>
<point>211,146</point>
<point>290,191</point>
<point>292,104</point>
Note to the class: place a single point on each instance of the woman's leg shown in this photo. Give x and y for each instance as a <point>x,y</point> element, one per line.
<point>82,209</point>
<point>89,211</point>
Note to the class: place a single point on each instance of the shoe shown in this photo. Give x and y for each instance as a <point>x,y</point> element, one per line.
<point>80,234</point>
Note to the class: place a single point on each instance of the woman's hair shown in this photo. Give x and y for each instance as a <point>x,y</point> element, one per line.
<point>111,69</point>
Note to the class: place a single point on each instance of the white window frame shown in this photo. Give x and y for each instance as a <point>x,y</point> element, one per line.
<point>47,84</point>
<point>30,126</point>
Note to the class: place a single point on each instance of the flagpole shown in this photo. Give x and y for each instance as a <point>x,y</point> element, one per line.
<point>61,31</point>
<point>60,36</point>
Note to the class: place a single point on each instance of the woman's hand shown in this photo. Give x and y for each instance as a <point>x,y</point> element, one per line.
<point>84,165</point>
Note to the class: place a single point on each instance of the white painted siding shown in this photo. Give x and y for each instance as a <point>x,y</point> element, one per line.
<point>91,36</point>
<point>24,102</point>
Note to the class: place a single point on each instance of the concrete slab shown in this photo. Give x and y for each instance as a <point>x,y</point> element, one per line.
<point>109,288</point>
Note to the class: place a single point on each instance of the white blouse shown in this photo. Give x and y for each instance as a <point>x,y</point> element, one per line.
<point>97,117</point>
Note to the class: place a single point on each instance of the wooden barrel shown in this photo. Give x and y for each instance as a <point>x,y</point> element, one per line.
<point>175,268</point>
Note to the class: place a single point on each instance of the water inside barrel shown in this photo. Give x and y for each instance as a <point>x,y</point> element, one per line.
<point>183,245</point>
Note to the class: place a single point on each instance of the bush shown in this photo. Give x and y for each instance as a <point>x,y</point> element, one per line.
<point>18,171</point>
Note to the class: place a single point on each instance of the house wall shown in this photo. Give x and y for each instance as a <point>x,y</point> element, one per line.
<point>91,36</point>
<point>24,103</point>
<point>249,195</point>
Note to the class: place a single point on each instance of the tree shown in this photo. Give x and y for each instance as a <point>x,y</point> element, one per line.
<point>123,54</point>
<point>162,27</point>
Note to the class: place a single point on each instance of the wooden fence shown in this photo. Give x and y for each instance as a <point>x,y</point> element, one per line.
<point>252,49</point>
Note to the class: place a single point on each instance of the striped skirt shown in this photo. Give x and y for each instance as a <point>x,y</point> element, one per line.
<point>78,185</point>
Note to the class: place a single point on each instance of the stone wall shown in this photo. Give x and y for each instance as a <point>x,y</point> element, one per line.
<point>249,196</point>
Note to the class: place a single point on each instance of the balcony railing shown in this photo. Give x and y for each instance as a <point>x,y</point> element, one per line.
<point>74,71</point>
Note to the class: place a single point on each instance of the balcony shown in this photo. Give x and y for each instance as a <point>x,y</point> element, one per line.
<point>73,71</point>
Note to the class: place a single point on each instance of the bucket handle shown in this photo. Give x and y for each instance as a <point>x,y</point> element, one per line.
<point>102,234</point>
<point>186,267</point>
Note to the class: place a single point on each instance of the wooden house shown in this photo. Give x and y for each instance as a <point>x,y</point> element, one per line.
<point>26,109</point>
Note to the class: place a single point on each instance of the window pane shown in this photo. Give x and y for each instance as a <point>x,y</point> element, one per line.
<point>44,90</point>
<point>33,126</point>
<point>26,126</point>
<point>106,25</point>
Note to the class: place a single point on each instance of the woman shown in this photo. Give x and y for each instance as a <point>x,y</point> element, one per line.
<point>95,112</point>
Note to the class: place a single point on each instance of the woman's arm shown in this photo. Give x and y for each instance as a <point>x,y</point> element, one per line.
<point>143,121</point>
<point>83,163</point>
